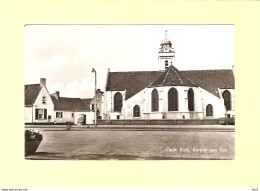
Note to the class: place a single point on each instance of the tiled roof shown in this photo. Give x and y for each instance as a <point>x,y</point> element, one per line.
<point>211,80</point>
<point>70,104</point>
<point>30,93</point>
<point>172,77</point>
<point>132,82</point>
<point>87,102</point>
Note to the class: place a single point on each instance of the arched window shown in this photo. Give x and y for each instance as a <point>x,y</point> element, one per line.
<point>155,100</point>
<point>172,100</point>
<point>227,99</point>
<point>136,111</point>
<point>209,110</point>
<point>191,99</point>
<point>118,101</point>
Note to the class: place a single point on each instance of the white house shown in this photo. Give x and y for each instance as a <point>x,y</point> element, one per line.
<point>169,93</point>
<point>73,110</point>
<point>41,107</point>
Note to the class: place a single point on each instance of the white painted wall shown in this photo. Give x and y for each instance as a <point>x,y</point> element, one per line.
<point>143,100</point>
<point>182,104</point>
<point>166,56</point>
<point>39,105</point>
<point>28,114</point>
<point>217,103</point>
<point>89,117</point>
<point>66,116</point>
<point>108,105</point>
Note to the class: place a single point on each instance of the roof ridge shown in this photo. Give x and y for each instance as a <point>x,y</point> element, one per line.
<point>206,70</point>
<point>30,84</point>
<point>166,75</point>
<point>52,95</point>
<point>136,71</point>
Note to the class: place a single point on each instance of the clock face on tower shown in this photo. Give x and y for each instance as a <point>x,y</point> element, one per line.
<point>166,47</point>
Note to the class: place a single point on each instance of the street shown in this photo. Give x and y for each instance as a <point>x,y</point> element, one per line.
<point>98,144</point>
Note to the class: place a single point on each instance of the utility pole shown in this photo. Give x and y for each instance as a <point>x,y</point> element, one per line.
<point>93,70</point>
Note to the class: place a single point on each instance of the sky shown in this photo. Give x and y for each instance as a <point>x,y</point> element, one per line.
<point>66,54</point>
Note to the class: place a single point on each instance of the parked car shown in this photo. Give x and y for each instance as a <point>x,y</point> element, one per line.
<point>227,121</point>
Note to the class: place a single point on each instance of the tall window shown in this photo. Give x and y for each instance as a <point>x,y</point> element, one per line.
<point>155,100</point>
<point>136,111</point>
<point>227,99</point>
<point>209,110</point>
<point>40,113</point>
<point>173,100</point>
<point>118,101</point>
<point>191,99</point>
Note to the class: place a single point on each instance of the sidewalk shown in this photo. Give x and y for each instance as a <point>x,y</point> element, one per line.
<point>229,128</point>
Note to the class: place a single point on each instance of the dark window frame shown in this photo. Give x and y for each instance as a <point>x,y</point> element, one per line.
<point>173,99</point>
<point>155,100</point>
<point>118,102</point>
<point>136,111</point>
<point>59,114</point>
<point>209,110</point>
<point>227,99</point>
<point>40,115</point>
<point>191,102</point>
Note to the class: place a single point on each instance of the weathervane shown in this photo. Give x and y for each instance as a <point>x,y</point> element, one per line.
<point>166,33</point>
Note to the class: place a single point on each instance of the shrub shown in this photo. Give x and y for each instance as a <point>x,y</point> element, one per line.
<point>32,135</point>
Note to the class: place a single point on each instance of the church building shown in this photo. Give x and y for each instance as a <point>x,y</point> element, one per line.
<point>169,93</point>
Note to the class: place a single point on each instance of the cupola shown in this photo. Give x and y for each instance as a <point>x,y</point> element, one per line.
<point>166,53</point>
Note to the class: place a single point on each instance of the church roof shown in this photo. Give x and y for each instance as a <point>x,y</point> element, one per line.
<point>30,93</point>
<point>70,104</point>
<point>134,82</point>
<point>211,80</point>
<point>172,77</point>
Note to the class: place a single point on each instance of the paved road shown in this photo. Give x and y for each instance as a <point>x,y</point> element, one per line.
<point>135,145</point>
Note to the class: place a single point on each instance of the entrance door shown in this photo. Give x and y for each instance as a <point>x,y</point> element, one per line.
<point>84,119</point>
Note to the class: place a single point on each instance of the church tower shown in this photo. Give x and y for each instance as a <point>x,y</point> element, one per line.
<point>166,53</point>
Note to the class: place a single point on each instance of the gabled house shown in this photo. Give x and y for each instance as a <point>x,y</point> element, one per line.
<point>38,104</point>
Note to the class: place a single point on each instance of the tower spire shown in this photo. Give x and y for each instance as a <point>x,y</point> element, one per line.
<point>166,33</point>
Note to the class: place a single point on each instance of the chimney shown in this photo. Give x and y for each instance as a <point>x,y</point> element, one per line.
<point>57,95</point>
<point>42,82</point>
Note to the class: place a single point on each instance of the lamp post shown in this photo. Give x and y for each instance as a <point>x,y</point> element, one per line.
<point>93,70</point>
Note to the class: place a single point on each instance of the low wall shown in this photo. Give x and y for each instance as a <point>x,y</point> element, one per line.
<point>159,122</point>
